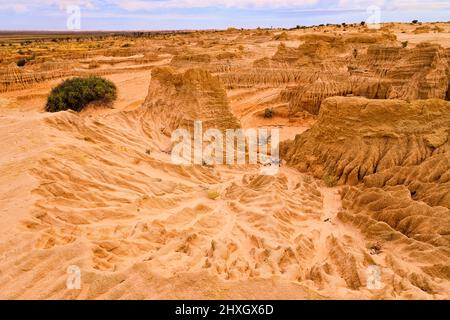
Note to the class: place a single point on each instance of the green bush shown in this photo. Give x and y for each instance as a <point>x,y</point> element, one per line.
<point>330,181</point>
<point>21,62</point>
<point>268,113</point>
<point>77,93</point>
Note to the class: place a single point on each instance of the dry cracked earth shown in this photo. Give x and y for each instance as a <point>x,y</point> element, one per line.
<point>364,119</point>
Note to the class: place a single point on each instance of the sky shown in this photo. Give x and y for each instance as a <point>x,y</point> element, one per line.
<point>89,15</point>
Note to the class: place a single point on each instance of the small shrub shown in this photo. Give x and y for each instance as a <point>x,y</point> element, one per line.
<point>415,21</point>
<point>404,44</point>
<point>330,181</point>
<point>21,62</point>
<point>375,248</point>
<point>32,57</point>
<point>268,113</point>
<point>77,93</point>
<point>363,23</point>
<point>213,195</point>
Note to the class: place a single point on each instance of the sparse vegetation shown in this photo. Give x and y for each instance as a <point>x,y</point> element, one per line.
<point>77,93</point>
<point>330,181</point>
<point>213,195</point>
<point>375,248</point>
<point>415,21</point>
<point>21,62</point>
<point>268,113</point>
<point>404,44</point>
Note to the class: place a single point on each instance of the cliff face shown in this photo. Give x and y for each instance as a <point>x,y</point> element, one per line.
<point>394,157</point>
<point>182,98</point>
<point>380,71</point>
<point>310,68</point>
<point>356,137</point>
<point>12,77</point>
<point>422,73</point>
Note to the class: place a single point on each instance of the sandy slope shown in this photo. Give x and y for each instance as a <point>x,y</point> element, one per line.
<point>81,190</point>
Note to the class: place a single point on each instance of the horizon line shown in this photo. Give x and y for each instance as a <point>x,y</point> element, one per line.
<point>203,29</point>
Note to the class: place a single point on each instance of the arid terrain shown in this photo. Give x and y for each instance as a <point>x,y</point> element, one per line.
<point>364,185</point>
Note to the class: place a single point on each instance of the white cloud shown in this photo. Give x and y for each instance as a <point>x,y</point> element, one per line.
<point>16,7</point>
<point>360,3</point>
<point>134,5</point>
<point>28,5</point>
<point>21,6</point>
<point>419,5</point>
<point>395,5</point>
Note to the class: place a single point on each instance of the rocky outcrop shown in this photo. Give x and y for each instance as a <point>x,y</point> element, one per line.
<point>394,157</point>
<point>179,99</point>
<point>422,73</point>
<point>381,72</point>
<point>12,77</point>
<point>357,137</point>
<point>190,60</point>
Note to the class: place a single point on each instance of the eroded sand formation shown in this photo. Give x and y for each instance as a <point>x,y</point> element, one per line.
<point>393,157</point>
<point>365,185</point>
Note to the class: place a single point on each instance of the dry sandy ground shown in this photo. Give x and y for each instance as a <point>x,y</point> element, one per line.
<point>144,228</point>
<point>87,190</point>
<point>149,229</point>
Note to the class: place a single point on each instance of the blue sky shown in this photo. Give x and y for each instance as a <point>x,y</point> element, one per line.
<point>206,14</point>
